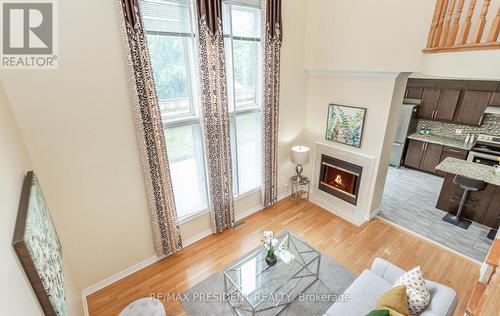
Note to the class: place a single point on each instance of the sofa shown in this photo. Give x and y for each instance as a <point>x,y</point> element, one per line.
<point>362,296</point>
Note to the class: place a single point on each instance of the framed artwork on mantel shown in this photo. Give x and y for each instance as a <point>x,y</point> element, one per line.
<point>345,124</point>
<point>37,245</point>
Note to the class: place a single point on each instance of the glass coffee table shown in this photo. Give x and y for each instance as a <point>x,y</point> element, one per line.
<point>252,287</point>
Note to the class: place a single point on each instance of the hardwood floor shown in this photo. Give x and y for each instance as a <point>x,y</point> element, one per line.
<point>352,246</point>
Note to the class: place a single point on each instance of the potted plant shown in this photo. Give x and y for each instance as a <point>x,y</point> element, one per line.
<point>270,242</point>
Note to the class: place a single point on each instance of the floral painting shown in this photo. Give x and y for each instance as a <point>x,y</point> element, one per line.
<point>345,124</point>
<point>39,250</point>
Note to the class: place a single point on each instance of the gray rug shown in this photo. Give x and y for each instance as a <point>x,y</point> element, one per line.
<point>204,298</point>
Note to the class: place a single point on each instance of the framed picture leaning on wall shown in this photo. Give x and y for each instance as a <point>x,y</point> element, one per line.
<point>345,124</point>
<point>38,248</point>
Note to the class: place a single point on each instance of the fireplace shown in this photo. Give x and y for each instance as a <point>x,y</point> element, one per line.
<point>340,178</point>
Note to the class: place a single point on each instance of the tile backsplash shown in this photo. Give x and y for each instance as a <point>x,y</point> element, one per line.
<point>491,126</point>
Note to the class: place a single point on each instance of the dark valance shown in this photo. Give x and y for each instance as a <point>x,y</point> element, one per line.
<point>273,18</point>
<point>212,11</point>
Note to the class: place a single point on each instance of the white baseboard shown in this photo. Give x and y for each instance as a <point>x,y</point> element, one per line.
<point>116,277</point>
<point>428,239</point>
<point>141,265</point>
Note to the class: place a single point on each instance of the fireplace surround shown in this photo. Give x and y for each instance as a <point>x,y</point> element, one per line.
<point>340,178</point>
<point>357,213</point>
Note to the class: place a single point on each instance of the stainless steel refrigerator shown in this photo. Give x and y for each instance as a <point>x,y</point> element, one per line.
<point>407,126</point>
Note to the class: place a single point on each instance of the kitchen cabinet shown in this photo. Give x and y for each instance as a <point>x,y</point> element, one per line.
<point>492,216</point>
<point>472,107</point>
<point>481,207</point>
<point>457,101</point>
<point>414,93</point>
<point>454,153</point>
<point>428,103</point>
<point>431,157</point>
<point>414,154</point>
<point>423,156</point>
<point>448,101</point>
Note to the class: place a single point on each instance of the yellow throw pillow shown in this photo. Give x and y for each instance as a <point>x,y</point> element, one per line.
<point>395,301</point>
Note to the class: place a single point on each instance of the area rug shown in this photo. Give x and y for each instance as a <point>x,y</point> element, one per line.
<point>334,279</point>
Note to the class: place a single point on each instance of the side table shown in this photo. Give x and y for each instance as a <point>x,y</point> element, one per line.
<point>300,188</point>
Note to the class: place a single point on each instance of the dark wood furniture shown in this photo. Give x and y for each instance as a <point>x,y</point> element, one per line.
<point>482,207</point>
<point>426,156</point>
<point>472,107</point>
<point>429,102</point>
<point>457,101</point>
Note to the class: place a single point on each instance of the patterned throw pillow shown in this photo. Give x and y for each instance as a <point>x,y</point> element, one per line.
<point>418,296</point>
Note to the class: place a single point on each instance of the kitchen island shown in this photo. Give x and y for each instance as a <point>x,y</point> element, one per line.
<point>483,206</point>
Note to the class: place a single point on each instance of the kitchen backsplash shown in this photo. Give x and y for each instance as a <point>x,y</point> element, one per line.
<point>491,126</point>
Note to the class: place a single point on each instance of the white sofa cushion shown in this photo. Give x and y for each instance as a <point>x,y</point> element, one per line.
<point>418,296</point>
<point>362,296</point>
<point>383,274</point>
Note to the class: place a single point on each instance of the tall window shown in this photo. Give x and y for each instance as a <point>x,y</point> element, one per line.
<point>171,36</point>
<point>170,33</point>
<point>243,57</point>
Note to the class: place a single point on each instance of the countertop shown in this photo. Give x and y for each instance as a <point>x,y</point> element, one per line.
<point>470,169</point>
<point>442,140</point>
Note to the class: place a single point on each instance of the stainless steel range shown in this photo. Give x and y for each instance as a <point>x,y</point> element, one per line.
<point>486,151</point>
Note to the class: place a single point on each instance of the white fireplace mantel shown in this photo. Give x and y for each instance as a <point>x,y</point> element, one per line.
<point>358,213</point>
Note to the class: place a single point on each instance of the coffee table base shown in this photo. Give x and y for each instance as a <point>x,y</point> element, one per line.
<point>245,308</point>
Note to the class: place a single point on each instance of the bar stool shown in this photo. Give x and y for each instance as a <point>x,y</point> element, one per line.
<point>469,185</point>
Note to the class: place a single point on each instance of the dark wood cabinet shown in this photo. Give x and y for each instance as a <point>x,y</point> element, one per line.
<point>414,93</point>
<point>492,216</point>
<point>472,107</point>
<point>430,98</point>
<point>414,154</point>
<point>458,101</point>
<point>448,101</point>
<point>423,156</point>
<point>454,153</point>
<point>478,206</point>
<point>431,157</point>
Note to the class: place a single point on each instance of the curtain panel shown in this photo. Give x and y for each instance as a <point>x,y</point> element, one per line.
<point>271,12</point>
<point>149,128</point>
<point>214,113</point>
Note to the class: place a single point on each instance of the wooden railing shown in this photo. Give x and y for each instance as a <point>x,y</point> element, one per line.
<point>485,296</point>
<point>455,27</point>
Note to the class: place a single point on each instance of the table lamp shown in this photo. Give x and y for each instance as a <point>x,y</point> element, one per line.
<point>300,156</point>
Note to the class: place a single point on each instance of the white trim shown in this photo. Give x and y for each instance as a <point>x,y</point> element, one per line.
<point>190,217</point>
<point>141,265</point>
<point>114,278</point>
<point>428,239</point>
<point>341,73</point>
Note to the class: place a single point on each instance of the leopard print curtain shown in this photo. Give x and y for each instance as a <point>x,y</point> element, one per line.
<point>149,129</point>
<point>214,113</point>
<point>271,12</point>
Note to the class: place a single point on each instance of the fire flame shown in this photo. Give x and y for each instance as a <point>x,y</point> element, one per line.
<point>338,181</point>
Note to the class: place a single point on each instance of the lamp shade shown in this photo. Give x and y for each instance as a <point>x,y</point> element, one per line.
<point>300,155</point>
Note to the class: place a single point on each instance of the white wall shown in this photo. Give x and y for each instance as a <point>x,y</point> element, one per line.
<point>78,127</point>
<point>16,294</point>
<point>360,35</point>
<point>376,93</point>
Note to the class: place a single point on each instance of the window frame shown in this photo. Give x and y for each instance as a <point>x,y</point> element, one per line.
<point>190,63</point>
<point>233,109</point>
<point>193,116</point>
